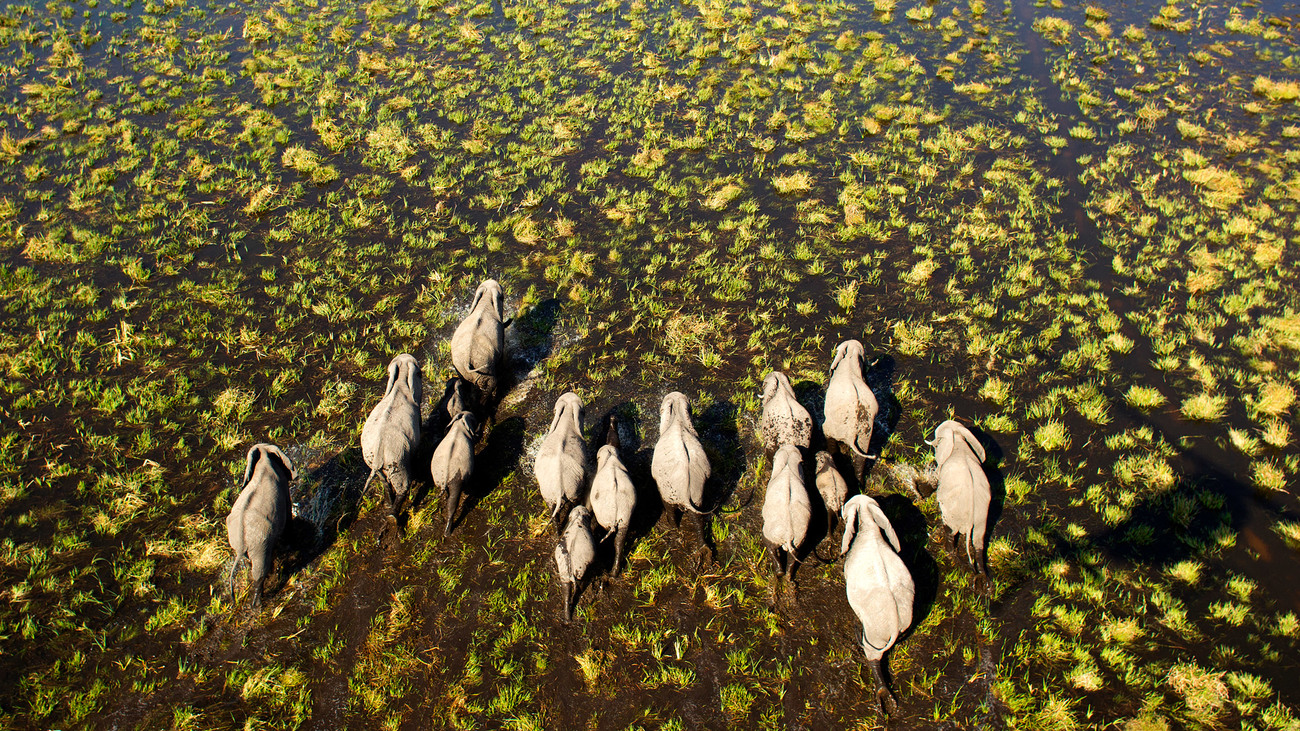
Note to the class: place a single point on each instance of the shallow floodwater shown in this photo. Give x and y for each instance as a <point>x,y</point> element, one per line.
<point>1073,227</point>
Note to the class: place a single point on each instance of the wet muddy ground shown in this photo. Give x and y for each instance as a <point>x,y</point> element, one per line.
<point>1073,227</point>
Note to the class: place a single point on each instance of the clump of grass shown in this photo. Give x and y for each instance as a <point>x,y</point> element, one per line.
<point>1204,691</point>
<point>1269,476</point>
<point>1278,91</point>
<point>1056,30</point>
<point>796,182</point>
<point>309,163</point>
<point>1052,436</point>
<point>1275,398</point>
<point>1144,397</point>
<point>1277,433</point>
<point>1205,407</point>
<point>995,390</point>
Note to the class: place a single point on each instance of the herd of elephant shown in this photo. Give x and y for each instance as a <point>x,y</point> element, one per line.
<point>878,584</point>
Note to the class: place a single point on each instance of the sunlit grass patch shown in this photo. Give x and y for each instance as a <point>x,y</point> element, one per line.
<point>1144,397</point>
<point>1052,436</point>
<point>794,183</point>
<point>1278,91</point>
<point>1205,407</point>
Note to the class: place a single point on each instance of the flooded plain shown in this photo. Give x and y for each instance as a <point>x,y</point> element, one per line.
<point>1072,227</point>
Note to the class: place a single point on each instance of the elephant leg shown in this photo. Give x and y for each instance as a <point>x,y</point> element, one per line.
<point>859,467</point>
<point>453,502</point>
<point>258,572</point>
<point>980,563</point>
<point>562,515</point>
<point>884,698</point>
<point>230,581</point>
<point>706,534</point>
<point>568,601</point>
<point>790,560</point>
<point>619,542</point>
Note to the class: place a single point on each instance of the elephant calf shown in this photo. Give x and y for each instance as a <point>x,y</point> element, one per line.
<point>964,493</point>
<point>392,430</point>
<point>787,511</point>
<point>613,497</point>
<point>561,464</point>
<point>453,462</point>
<point>851,407</point>
<point>574,556</point>
<point>832,487</point>
<point>478,343</point>
<point>259,514</point>
<point>679,466</point>
<point>879,586</point>
<point>784,420</point>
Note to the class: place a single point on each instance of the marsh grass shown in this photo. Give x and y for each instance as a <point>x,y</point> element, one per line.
<point>255,221</point>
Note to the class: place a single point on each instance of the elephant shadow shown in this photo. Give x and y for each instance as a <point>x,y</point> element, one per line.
<point>636,458</point>
<point>879,376</point>
<point>530,339</point>
<point>993,456</point>
<point>326,501</point>
<point>913,536</point>
<point>493,464</point>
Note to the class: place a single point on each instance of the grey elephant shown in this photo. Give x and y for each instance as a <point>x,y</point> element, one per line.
<point>787,512</point>
<point>832,487</point>
<point>259,514</point>
<point>561,464</point>
<point>478,344</point>
<point>963,493</point>
<point>680,467</point>
<point>453,462</point>
<point>613,496</point>
<point>392,430</point>
<point>879,586</point>
<point>851,407</point>
<point>456,400</point>
<point>574,556</point>
<point>784,420</point>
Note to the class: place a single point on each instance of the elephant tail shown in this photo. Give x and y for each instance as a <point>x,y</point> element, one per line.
<point>370,479</point>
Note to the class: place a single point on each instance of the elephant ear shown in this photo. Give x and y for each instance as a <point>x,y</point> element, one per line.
<point>839,356</point>
<point>577,419</point>
<point>972,442</point>
<point>478,297</point>
<point>770,386</point>
<point>943,443</point>
<point>254,453</point>
<point>555,420</point>
<point>392,376</point>
<point>498,303</point>
<point>878,515</point>
<point>850,516</point>
<point>284,460</point>
<point>413,380</point>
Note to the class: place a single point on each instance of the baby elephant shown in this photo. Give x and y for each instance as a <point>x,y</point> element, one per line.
<point>784,420</point>
<point>574,556</point>
<point>851,407</point>
<point>561,464</point>
<point>455,400</point>
<point>392,431</point>
<point>259,514</point>
<point>679,466</point>
<point>613,497</point>
<point>479,341</point>
<point>786,509</point>
<point>832,487</point>
<point>963,492</point>
<point>453,462</point>
<point>878,584</point>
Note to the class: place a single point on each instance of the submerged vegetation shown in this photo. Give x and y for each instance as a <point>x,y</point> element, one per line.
<point>1074,226</point>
